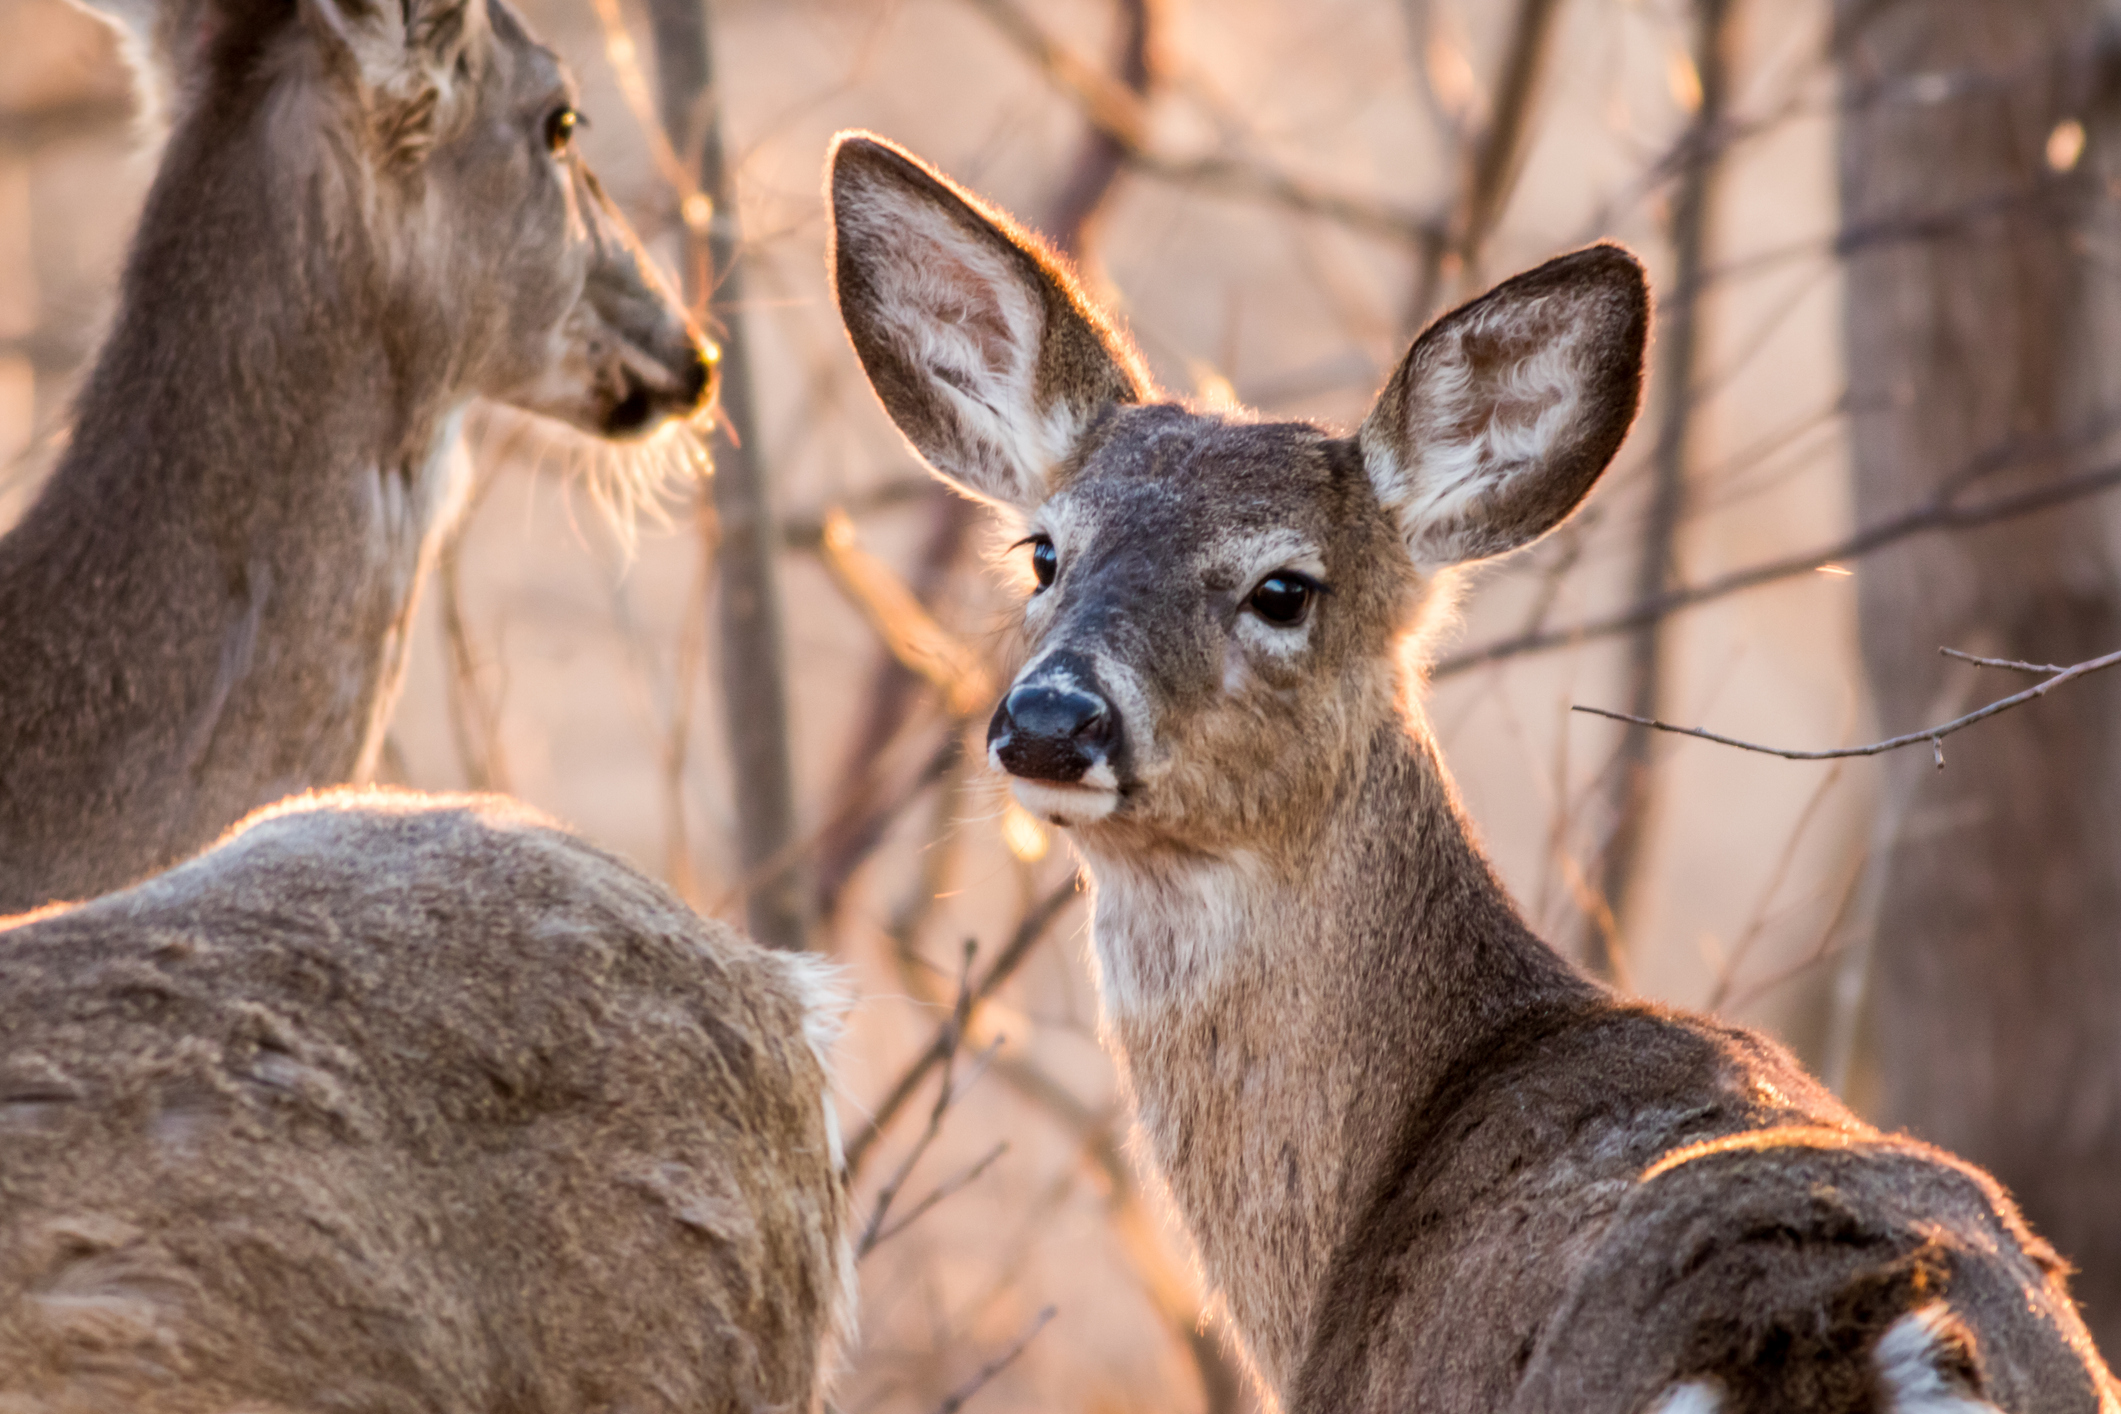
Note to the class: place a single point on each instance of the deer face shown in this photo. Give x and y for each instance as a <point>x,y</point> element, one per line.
<point>572,320</point>
<point>414,161</point>
<point>1222,609</point>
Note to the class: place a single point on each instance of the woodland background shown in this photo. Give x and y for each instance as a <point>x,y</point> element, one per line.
<point>1885,400</point>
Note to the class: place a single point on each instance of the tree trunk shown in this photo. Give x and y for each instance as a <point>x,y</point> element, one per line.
<point>754,674</point>
<point>1984,341</point>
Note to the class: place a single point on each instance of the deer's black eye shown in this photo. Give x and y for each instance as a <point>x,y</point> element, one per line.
<point>1045,560</point>
<point>1283,598</point>
<point>559,128</point>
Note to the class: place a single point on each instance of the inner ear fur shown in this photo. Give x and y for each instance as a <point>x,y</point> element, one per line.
<point>1507,409</point>
<point>976,337</point>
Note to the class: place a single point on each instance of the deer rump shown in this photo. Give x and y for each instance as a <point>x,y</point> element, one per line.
<point>398,1102</point>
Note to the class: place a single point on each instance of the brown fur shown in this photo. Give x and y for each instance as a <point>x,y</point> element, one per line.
<point>1427,1164</point>
<point>356,228</point>
<point>400,1103</point>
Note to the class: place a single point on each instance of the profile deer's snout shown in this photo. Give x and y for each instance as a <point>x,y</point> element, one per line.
<point>1056,727</point>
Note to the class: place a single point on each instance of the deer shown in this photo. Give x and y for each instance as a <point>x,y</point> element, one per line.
<point>365,217</point>
<point>393,1101</point>
<point>1424,1162</point>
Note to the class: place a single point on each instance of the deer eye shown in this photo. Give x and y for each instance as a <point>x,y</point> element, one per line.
<point>1283,598</point>
<point>1045,561</point>
<point>559,129</point>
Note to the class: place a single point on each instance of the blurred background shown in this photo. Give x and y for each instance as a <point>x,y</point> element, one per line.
<point>1881,418</point>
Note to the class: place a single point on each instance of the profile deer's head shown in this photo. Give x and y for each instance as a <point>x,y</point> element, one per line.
<point>412,164</point>
<point>1222,603</point>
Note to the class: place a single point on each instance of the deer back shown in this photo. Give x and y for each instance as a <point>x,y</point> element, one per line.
<point>418,1102</point>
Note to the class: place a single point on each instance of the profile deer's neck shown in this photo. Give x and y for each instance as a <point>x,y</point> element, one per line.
<point>1278,1020</point>
<point>215,584</point>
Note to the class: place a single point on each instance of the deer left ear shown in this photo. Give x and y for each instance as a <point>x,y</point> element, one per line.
<point>1508,408</point>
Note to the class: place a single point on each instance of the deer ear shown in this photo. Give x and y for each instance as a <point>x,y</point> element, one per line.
<point>1507,409</point>
<point>403,52</point>
<point>975,337</point>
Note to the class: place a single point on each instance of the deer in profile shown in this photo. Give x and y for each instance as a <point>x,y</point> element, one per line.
<point>366,215</point>
<point>392,1102</point>
<point>1426,1164</point>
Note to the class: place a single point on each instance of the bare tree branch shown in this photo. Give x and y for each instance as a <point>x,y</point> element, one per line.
<point>2011,663</point>
<point>1624,820</point>
<point>1028,934</point>
<point>1941,513</point>
<point>1933,735</point>
<point>1119,115</point>
<point>753,674</point>
<point>959,1397</point>
<point>956,1184</point>
<point>948,1040</point>
<point>1490,164</point>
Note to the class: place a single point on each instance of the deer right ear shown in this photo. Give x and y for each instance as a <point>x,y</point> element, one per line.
<point>1508,408</point>
<point>976,339</point>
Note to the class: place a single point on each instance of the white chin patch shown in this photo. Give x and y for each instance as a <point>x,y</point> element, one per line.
<point>1067,805</point>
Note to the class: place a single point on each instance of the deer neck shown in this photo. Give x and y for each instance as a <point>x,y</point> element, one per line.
<point>210,597</point>
<point>1277,1021</point>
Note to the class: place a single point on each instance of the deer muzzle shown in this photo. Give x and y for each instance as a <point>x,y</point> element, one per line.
<point>1056,728</point>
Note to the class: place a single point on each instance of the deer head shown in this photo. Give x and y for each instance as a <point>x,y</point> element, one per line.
<point>1226,608</point>
<point>414,165</point>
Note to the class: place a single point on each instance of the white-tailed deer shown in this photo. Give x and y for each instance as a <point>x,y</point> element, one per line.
<point>1427,1165</point>
<point>391,1102</point>
<point>368,213</point>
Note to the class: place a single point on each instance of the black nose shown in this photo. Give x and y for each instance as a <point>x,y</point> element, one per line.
<point>1047,733</point>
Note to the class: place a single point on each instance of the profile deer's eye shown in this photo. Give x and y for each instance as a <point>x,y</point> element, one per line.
<point>1283,598</point>
<point>560,126</point>
<point>1045,560</point>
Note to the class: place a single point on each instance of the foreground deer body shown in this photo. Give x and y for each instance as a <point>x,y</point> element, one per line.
<point>398,1103</point>
<point>366,215</point>
<point>1427,1165</point>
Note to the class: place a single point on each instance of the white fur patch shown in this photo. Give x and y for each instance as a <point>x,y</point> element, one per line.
<point>1163,929</point>
<point>1906,1358</point>
<point>822,986</point>
<point>1065,805</point>
<point>1693,1397</point>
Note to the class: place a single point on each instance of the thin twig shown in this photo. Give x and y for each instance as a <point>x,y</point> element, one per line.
<point>1933,735</point>
<point>1120,115</point>
<point>2011,663</point>
<point>1727,975</point>
<point>947,1188</point>
<point>949,1038</point>
<point>1027,935</point>
<point>1938,514</point>
<point>959,1397</point>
